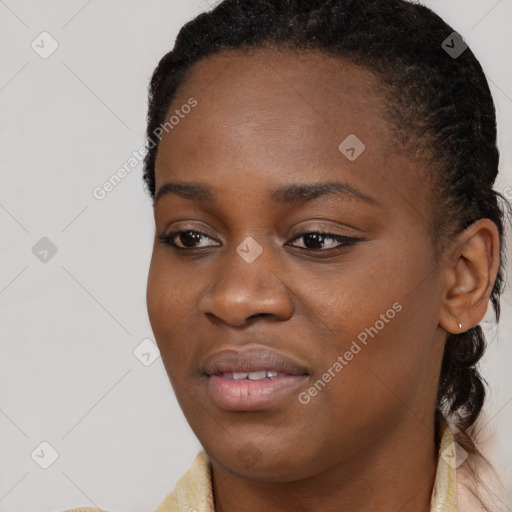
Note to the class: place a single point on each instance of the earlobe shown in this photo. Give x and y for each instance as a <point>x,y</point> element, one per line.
<point>471,267</point>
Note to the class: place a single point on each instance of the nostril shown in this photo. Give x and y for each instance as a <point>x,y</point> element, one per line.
<point>259,315</point>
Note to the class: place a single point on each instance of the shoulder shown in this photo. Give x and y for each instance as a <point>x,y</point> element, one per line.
<point>192,492</point>
<point>479,488</point>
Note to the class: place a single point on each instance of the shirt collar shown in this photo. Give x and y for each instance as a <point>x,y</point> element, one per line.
<point>444,493</point>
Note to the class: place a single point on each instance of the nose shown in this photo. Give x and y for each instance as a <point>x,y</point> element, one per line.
<point>243,291</point>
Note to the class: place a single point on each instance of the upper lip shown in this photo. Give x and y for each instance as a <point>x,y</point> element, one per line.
<point>251,359</point>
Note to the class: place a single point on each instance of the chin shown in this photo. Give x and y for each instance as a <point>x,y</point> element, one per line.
<point>262,460</point>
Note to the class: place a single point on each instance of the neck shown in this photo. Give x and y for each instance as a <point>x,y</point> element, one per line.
<point>396,474</point>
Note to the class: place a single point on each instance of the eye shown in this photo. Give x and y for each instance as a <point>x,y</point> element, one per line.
<point>185,239</point>
<point>320,240</point>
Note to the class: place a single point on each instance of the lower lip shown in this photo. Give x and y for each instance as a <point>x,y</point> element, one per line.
<point>251,395</point>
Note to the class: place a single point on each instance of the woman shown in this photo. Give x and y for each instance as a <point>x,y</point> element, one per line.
<point>327,243</point>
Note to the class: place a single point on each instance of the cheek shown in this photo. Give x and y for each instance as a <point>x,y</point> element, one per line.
<point>159,297</point>
<point>380,319</point>
<point>170,303</point>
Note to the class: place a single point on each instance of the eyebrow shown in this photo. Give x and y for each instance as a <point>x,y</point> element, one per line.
<point>293,193</point>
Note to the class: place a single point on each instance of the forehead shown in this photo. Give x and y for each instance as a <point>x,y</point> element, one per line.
<point>300,99</point>
<point>275,113</point>
<point>312,79</point>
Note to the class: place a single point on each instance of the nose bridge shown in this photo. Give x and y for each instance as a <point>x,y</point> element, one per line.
<point>248,284</point>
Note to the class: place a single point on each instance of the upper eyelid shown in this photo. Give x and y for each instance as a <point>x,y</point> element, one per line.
<point>186,230</point>
<point>305,232</point>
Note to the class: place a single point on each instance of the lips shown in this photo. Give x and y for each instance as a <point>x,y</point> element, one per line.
<point>251,379</point>
<point>251,360</point>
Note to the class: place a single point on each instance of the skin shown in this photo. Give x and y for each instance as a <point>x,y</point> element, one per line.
<point>366,441</point>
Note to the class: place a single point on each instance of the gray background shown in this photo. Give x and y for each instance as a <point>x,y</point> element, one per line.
<point>70,325</point>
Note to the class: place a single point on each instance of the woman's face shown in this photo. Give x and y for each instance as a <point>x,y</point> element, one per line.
<point>349,321</point>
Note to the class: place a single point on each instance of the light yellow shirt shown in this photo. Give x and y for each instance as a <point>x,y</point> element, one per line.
<point>193,492</point>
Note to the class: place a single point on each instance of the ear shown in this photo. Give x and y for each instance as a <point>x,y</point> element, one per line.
<point>471,265</point>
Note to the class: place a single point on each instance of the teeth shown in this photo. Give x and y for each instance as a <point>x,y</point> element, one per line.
<point>257,375</point>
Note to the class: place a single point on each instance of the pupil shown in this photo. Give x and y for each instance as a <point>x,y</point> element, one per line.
<point>316,239</point>
<point>189,238</point>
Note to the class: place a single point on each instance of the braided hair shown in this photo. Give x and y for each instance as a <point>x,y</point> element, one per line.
<point>439,106</point>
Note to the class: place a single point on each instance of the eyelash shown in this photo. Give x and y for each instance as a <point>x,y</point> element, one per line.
<point>345,241</point>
